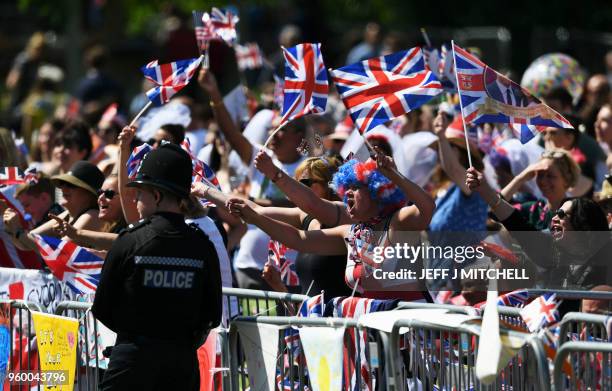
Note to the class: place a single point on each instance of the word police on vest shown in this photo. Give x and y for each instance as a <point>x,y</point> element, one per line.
<point>168,279</point>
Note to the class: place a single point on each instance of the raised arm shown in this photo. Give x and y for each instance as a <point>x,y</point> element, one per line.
<point>233,135</point>
<point>327,212</point>
<point>525,176</point>
<point>448,158</point>
<point>126,194</point>
<point>323,242</point>
<point>83,237</point>
<point>410,218</point>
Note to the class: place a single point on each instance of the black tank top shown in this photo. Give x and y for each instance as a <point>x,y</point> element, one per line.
<point>325,272</point>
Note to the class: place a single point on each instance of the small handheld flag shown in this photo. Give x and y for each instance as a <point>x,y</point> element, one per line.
<point>380,89</point>
<point>541,312</point>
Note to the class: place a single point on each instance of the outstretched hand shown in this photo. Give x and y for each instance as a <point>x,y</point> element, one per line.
<point>10,218</point>
<point>208,82</point>
<point>63,228</point>
<point>264,163</point>
<point>440,124</point>
<point>473,178</point>
<point>126,136</point>
<point>385,164</point>
<point>240,208</point>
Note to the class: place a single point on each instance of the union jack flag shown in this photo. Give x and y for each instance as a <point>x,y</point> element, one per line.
<point>169,78</point>
<point>203,32</point>
<point>541,312</point>
<point>201,172</point>
<point>135,159</point>
<point>15,176</point>
<point>248,56</point>
<point>306,86</point>
<point>222,23</point>
<point>11,256</point>
<point>516,298</point>
<point>380,89</point>
<point>74,265</point>
<point>277,256</point>
<point>488,96</point>
<point>354,307</point>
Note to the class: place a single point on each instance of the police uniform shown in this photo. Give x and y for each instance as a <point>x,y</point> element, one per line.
<point>160,291</point>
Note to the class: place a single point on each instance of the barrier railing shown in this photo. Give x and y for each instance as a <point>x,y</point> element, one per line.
<point>590,363</point>
<point>22,347</point>
<point>580,326</point>
<point>89,353</point>
<point>444,358</point>
<point>377,342</point>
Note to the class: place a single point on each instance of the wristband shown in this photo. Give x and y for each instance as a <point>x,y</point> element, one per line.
<point>278,175</point>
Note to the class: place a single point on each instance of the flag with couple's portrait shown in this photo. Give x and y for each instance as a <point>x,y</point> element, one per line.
<point>380,89</point>
<point>488,96</point>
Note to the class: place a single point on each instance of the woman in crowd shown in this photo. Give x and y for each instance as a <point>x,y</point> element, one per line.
<point>570,259</point>
<point>555,174</point>
<point>79,189</point>
<point>375,196</point>
<point>109,213</point>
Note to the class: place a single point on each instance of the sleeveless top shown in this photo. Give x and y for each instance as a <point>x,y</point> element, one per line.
<point>362,261</point>
<point>324,272</point>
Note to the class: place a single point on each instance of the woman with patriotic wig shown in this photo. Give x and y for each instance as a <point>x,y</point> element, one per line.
<point>376,197</point>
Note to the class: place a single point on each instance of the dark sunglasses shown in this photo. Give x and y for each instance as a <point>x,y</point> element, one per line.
<point>108,193</point>
<point>307,182</point>
<point>560,213</point>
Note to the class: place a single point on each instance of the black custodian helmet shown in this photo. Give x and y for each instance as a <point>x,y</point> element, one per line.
<point>168,167</point>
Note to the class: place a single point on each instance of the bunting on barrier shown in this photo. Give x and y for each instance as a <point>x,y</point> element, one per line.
<point>323,350</point>
<point>260,345</point>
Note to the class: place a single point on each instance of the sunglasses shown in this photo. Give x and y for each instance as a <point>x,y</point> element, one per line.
<point>560,213</point>
<point>307,182</point>
<point>108,193</point>
<point>553,154</point>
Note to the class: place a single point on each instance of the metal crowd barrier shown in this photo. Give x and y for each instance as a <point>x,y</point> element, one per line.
<point>88,372</point>
<point>591,364</point>
<point>295,375</point>
<point>580,326</point>
<point>21,353</point>
<point>444,358</point>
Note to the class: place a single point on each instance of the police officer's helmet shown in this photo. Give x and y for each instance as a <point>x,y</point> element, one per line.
<point>167,167</point>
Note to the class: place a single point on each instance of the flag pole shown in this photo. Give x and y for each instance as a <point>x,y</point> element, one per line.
<point>465,133</point>
<point>273,133</point>
<point>140,113</point>
<point>425,37</point>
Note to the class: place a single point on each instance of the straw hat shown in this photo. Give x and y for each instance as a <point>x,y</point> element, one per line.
<point>82,174</point>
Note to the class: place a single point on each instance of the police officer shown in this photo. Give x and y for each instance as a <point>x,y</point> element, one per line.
<point>160,288</point>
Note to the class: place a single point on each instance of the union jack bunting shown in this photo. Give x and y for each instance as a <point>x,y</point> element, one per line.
<point>541,312</point>
<point>380,89</point>
<point>15,176</point>
<point>74,265</point>
<point>306,87</point>
<point>222,22</point>
<point>488,96</point>
<point>248,56</point>
<point>203,32</point>
<point>135,159</point>
<point>277,256</point>
<point>169,78</point>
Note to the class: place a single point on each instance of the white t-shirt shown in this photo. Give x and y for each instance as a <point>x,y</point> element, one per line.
<point>253,252</point>
<point>207,225</point>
